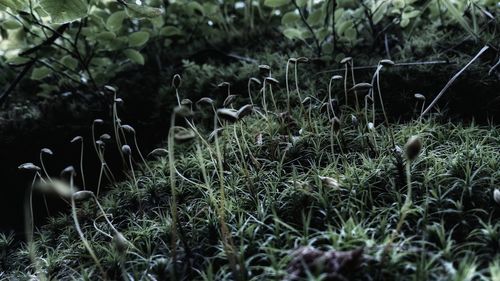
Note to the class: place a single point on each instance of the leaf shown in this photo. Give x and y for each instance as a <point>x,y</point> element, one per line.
<point>63,11</point>
<point>115,20</point>
<point>134,55</point>
<point>11,24</point>
<point>411,14</point>
<point>40,72</point>
<point>105,36</point>
<point>405,21</point>
<point>138,38</point>
<point>14,5</point>
<point>316,17</point>
<point>69,62</point>
<point>342,27</point>
<point>275,3</point>
<point>290,18</point>
<point>292,33</point>
<point>380,12</point>
<point>351,34</point>
<point>458,16</point>
<point>169,31</point>
<point>301,3</point>
<point>398,4</point>
<point>195,6</point>
<point>17,60</point>
<point>144,11</point>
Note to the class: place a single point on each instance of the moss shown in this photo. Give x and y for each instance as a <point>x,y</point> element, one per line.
<point>276,201</point>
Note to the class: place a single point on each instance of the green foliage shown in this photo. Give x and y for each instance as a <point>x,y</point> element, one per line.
<point>344,25</point>
<point>103,38</point>
<point>281,200</point>
<point>63,11</point>
<point>289,181</point>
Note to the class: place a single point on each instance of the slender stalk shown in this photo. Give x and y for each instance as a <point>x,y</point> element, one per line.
<point>297,87</point>
<point>228,244</point>
<point>80,232</point>
<point>141,156</point>
<point>100,179</point>
<point>133,172</point>
<point>250,91</point>
<point>49,178</point>
<point>345,85</point>
<point>173,203</point>
<point>272,97</point>
<point>354,83</point>
<point>264,103</point>
<point>386,119</point>
<point>287,85</point>
<point>81,165</point>
<point>116,128</point>
<point>30,226</point>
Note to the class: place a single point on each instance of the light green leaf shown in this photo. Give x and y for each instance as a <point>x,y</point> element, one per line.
<point>290,18</point>
<point>457,15</point>
<point>404,22</point>
<point>157,22</point>
<point>380,12</point>
<point>301,3</point>
<point>292,33</point>
<point>14,5</point>
<point>351,34</point>
<point>63,11</point>
<point>316,17</point>
<point>17,60</point>
<point>11,24</point>
<point>144,11</point>
<point>40,72</point>
<point>134,56</point>
<point>195,6</point>
<point>411,14</point>
<point>169,31</point>
<point>138,38</point>
<point>343,26</point>
<point>398,4</point>
<point>115,20</point>
<point>69,62</point>
<point>276,3</point>
<point>105,36</point>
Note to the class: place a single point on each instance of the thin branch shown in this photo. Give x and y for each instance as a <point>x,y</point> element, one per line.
<point>14,83</point>
<point>57,33</point>
<point>304,20</point>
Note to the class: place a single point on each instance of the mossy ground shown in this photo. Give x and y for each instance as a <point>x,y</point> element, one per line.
<point>282,181</point>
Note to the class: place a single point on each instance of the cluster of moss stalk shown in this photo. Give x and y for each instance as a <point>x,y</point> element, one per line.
<point>250,156</point>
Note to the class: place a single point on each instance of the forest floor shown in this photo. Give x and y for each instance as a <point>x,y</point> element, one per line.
<point>314,190</point>
<point>289,196</point>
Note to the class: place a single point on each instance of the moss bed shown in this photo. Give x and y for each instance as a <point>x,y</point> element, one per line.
<point>280,196</point>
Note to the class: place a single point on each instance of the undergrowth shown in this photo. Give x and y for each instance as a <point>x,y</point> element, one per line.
<point>323,192</point>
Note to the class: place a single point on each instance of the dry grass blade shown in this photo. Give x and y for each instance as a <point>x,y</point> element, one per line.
<point>484,49</point>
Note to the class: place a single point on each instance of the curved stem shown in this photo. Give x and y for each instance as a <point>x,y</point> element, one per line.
<point>287,86</point>
<point>173,205</point>
<point>141,156</point>
<point>80,232</point>
<point>81,166</point>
